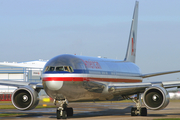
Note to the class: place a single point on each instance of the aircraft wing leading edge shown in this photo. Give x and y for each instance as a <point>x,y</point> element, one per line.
<point>34,85</point>
<point>133,88</point>
<point>159,73</point>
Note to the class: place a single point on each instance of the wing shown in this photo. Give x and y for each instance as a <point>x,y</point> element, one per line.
<point>134,88</point>
<point>159,73</point>
<point>155,95</point>
<point>34,85</point>
<point>126,89</point>
<point>116,88</point>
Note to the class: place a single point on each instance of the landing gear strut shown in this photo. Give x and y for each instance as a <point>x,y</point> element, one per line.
<point>63,111</point>
<point>138,110</point>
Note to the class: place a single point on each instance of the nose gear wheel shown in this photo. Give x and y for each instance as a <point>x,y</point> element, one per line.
<point>63,111</point>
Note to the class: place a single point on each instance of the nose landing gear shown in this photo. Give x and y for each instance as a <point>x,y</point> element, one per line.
<point>63,111</point>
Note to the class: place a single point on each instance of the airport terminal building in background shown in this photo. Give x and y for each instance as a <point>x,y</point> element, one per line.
<point>8,72</point>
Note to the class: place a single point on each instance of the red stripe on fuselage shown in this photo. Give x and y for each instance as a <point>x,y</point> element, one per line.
<point>89,79</point>
<point>63,79</point>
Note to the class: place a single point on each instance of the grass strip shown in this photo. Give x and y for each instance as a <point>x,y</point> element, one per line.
<point>12,107</point>
<point>11,114</point>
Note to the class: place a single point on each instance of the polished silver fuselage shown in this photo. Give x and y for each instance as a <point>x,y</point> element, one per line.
<point>89,79</point>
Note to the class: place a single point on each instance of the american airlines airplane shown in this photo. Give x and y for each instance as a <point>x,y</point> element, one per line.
<point>69,78</point>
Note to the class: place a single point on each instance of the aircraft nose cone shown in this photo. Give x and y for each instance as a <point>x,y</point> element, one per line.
<point>52,85</point>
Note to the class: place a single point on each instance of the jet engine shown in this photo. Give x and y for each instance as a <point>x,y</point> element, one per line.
<point>156,98</point>
<point>25,98</point>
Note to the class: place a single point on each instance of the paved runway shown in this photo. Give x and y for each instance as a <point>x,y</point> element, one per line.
<point>88,111</point>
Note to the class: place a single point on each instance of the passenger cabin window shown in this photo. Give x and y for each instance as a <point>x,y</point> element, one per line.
<point>59,68</point>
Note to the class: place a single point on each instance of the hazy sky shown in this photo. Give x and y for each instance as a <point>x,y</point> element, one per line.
<point>42,29</point>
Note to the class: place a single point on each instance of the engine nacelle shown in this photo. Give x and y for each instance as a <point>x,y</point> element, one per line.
<point>156,98</point>
<point>25,98</point>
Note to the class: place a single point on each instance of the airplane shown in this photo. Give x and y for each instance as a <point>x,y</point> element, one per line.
<point>68,78</point>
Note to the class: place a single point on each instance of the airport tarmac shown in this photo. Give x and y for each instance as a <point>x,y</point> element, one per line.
<point>96,111</point>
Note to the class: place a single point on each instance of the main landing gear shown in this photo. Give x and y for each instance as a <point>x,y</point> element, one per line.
<point>63,111</point>
<point>138,110</point>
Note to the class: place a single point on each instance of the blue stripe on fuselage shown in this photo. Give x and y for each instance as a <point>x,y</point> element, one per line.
<point>97,72</point>
<point>75,71</point>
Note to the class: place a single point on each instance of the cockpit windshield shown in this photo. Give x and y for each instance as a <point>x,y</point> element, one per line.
<point>59,68</point>
<point>51,68</point>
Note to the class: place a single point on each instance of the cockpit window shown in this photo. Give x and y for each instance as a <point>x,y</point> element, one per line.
<point>51,68</point>
<point>46,69</point>
<point>66,68</point>
<point>71,69</point>
<point>59,68</point>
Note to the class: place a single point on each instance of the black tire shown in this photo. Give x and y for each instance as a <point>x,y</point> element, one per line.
<point>134,111</point>
<point>64,114</point>
<point>143,111</point>
<point>69,111</point>
<point>58,114</point>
